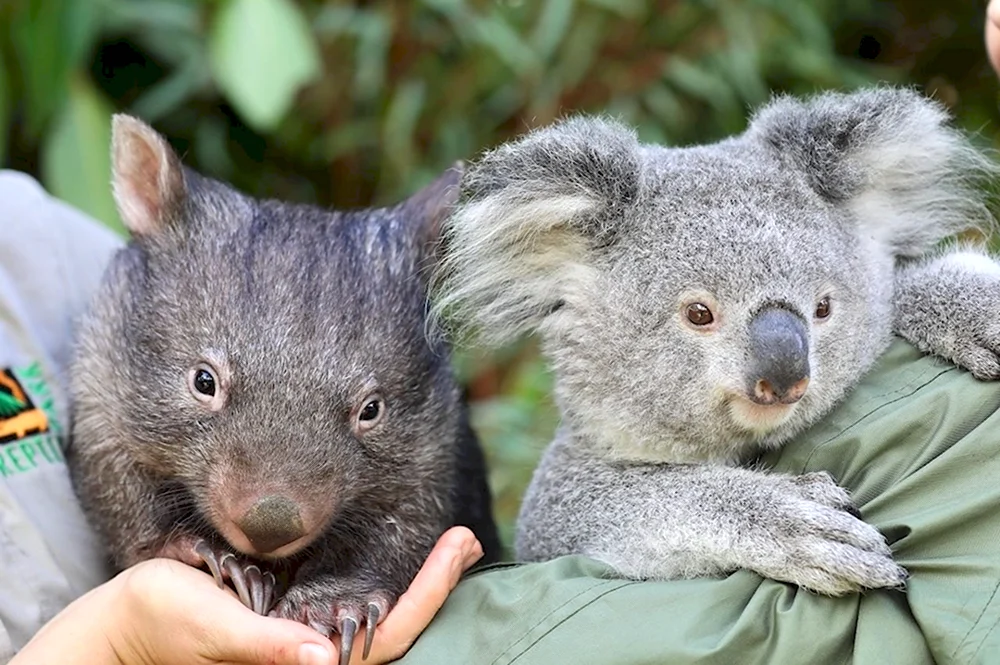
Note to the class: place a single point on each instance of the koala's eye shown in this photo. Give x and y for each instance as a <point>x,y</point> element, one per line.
<point>371,412</point>
<point>823,308</point>
<point>699,314</point>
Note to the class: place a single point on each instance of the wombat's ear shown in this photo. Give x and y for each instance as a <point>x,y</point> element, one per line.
<point>522,239</point>
<point>427,209</point>
<point>889,155</point>
<point>147,177</point>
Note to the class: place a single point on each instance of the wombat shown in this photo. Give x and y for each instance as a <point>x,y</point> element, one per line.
<point>254,391</point>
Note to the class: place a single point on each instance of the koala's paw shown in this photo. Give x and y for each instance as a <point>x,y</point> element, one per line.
<point>950,307</point>
<point>821,543</point>
<point>981,358</point>
<point>971,340</point>
<point>255,588</point>
<point>342,605</point>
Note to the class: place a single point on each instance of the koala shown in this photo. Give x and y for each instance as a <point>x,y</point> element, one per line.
<point>254,392</point>
<point>701,305</point>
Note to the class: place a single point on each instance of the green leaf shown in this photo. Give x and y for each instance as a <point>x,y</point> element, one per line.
<point>166,96</point>
<point>701,82</point>
<point>262,52</point>
<point>76,155</point>
<point>401,123</point>
<point>666,106</point>
<point>552,26</point>
<point>624,8</point>
<point>494,33</point>
<point>50,38</point>
<point>371,54</point>
<point>334,21</point>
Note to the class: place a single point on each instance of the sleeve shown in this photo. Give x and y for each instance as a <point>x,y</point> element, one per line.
<point>918,444</point>
<point>52,258</point>
<point>51,261</point>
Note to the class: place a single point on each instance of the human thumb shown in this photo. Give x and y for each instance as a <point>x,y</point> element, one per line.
<point>272,641</point>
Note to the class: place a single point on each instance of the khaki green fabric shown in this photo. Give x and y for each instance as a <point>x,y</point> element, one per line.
<point>918,444</point>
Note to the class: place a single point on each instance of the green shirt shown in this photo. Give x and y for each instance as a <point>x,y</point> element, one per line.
<point>917,444</point>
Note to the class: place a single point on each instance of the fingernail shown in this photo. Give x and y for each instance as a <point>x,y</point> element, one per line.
<point>314,654</point>
<point>473,554</point>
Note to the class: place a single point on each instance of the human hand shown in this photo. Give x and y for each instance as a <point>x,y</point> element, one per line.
<point>163,612</point>
<point>455,552</point>
<point>993,34</point>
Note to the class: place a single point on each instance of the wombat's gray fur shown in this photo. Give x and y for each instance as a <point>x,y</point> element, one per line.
<point>702,304</point>
<point>255,376</point>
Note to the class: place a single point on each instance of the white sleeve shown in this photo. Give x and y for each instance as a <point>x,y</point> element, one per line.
<point>51,261</point>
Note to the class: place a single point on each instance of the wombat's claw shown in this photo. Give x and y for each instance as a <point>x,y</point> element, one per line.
<point>337,606</point>
<point>239,578</point>
<point>261,588</point>
<point>254,588</point>
<point>374,613</point>
<point>347,628</point>
<point>211,559</point>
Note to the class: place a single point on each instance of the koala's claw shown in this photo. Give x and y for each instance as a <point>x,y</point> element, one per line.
<point>820,487</point>
<point>982,362</point>
<point>824,545</point>
<point>852,570</point>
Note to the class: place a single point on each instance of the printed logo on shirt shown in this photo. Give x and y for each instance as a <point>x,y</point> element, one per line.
<point>19,416</point>
<point>28,427</point>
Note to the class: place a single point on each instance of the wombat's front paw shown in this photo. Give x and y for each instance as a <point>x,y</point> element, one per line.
<point>818,541</point>
<point>337,604</point>
<point>254,587</point>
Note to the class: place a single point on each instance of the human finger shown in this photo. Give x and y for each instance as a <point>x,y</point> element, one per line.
<point>455,552</point>
<point>211,625</point>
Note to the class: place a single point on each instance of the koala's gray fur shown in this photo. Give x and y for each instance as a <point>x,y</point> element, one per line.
<point>600,243</point>
<point>303,314</point>
<point>948,303</point>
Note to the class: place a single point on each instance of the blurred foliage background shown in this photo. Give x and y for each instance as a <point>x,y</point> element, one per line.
<point>356,103</point>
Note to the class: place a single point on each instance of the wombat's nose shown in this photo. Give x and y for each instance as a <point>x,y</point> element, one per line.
<point>779,357</point>
<point>272,522</point>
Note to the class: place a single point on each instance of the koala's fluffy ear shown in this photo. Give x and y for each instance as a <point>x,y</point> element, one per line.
<point>147,177</point>
<point>519,243</point>
<point>890,155</point>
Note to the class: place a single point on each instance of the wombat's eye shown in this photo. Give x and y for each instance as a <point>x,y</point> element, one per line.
<point>370,410</point>
<point>370,413</point>
<point>204,382</point>
<point>699,314</point>
<point>823,308</point>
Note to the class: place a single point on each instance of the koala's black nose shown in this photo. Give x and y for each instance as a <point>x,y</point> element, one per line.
<point>272,522</point>
<point>779,357</point>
